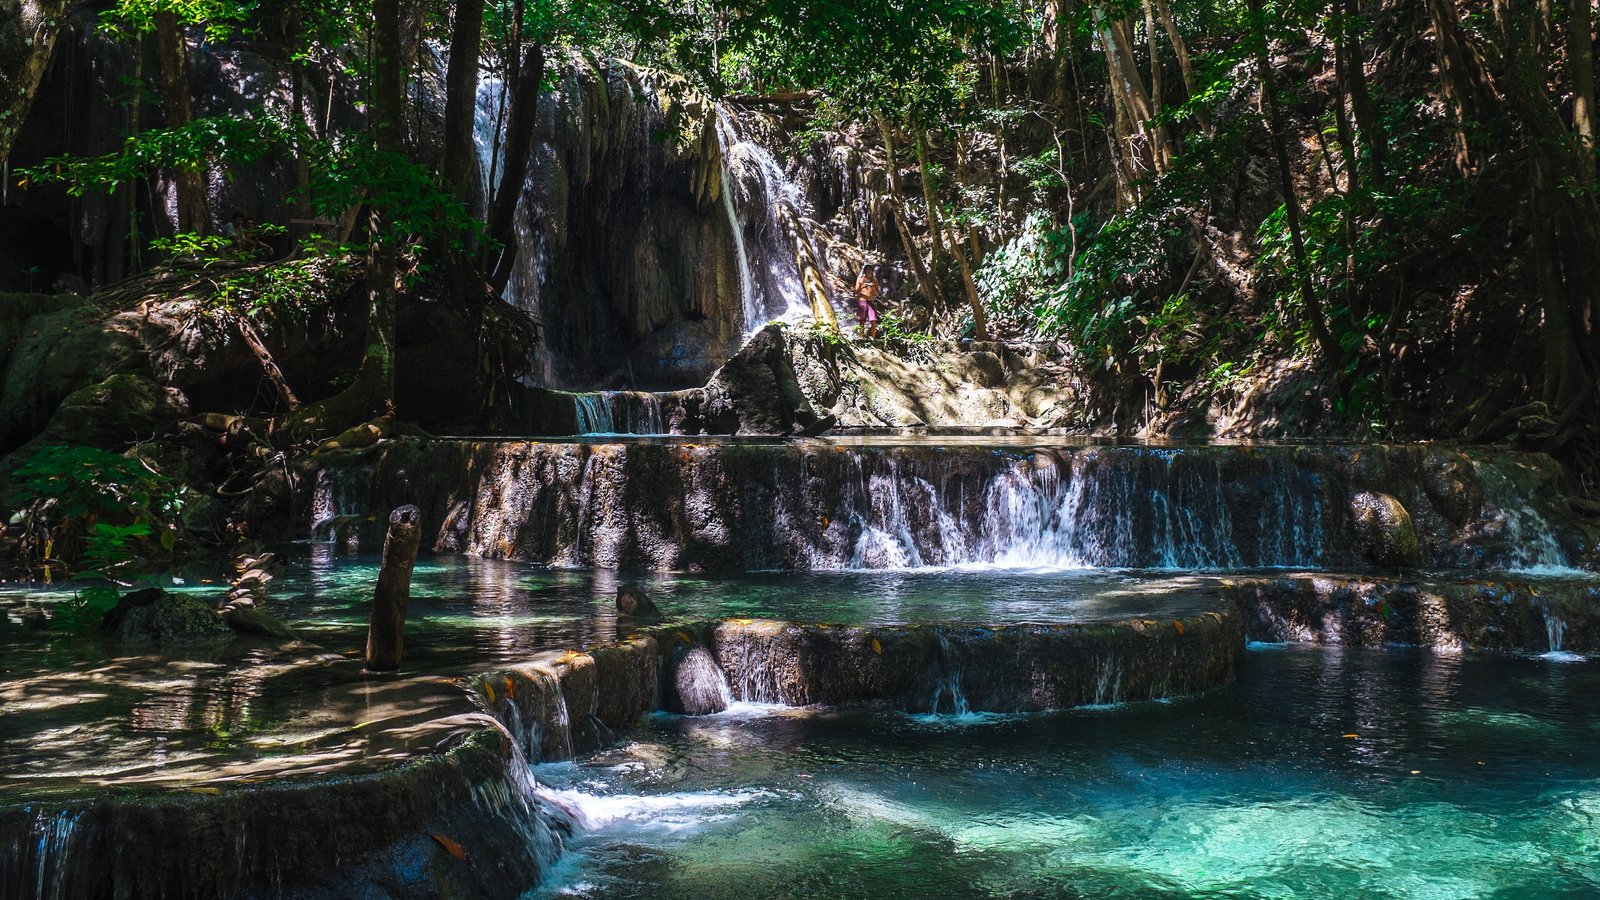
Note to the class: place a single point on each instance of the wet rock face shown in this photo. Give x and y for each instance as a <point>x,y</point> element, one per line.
<point>626,254</point>
<point>561,704</point>
<point>1383,529</point>
<point>1445,616</point>
<point>315,838</point>
<point>1022,668</point>
<point>818,505</point>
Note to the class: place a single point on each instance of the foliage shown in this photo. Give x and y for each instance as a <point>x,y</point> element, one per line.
<point>218,18</point>
<point>85,610</point>
<point>186,147</point>
<point>124,513</point>
<point>296,288</point>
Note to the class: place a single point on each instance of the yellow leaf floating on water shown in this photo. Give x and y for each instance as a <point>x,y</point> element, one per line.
<point>205,790</point>
<point>1350,736</point>
<point>451,847</point>
<point>877,647</point>
<point>1177,626</point>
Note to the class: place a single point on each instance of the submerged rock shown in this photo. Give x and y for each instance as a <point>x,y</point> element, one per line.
<point>1383,529</point>
<point>633,602</point>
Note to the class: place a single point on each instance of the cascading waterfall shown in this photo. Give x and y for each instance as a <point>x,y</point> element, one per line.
<point>829,505</point>
<point>488,130</point>
<point>619,412</point>
<point>772,284</point>
<point>1160,509</point>
<point>747,283</point>
<point>1555,630</point>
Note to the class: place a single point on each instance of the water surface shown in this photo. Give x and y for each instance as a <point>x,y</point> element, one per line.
<point>1319,774</point>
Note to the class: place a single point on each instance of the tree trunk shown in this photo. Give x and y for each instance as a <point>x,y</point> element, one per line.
<point>930,200</point>
<point>461,99</point>
<point>1462,76</point>
<point>1128,87</point>
<point>1326,342</point>
<point>1343,61</point>
<point>1580,56</point>
<point>386,636</point>
<point>521,120</point>
<point>1367,120</point>
<point>177,111</point>
<point>1157,95</point>
<point>372,391</point>
<point>1565,375</point>
<point>919,271</point>
<point>1179,48</point>
<point>980,318</point>
<point>388,116</point>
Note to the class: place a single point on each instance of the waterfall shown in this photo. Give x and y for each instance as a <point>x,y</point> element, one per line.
<point>1145,508</point>
<point>488,130</point>
<point>1531,540</point>
<point>747,284</point>
<point>947,690</point>
<point>1555,630</point>
<point>619,412</point>
<point>772,285</point>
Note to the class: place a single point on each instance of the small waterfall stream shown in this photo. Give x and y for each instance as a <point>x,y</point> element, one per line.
<point>1531,539</point>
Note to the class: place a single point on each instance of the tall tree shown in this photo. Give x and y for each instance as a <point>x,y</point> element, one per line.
<point>1327,344</point>
<point>461,98</point>
<point>525,81</point>
<point>177,111</point>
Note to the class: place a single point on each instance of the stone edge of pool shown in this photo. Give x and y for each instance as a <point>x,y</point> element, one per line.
<point>458,817</point>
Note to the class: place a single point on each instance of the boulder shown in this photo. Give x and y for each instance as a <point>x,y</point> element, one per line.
<point>633,602</point>
<point>758,391</point>
<point>118,411</point>
<point>1383,530</point>
<point>56,353</point>
<point>695,684</point>
<point>153,616</point>
<point>1453,487</point>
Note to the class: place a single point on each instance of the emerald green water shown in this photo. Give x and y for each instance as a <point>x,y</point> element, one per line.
<point>1319,774</point>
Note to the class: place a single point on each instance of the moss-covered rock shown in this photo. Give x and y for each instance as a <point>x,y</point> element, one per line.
<point>1383,529</point>
<point>157,617</point>
<point>113,413</point>
<point>57,353</point>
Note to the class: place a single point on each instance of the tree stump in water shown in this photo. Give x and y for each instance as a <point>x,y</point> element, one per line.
<point>387,634</point>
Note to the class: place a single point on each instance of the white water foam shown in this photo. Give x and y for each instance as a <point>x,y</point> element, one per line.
<point>658,812</point>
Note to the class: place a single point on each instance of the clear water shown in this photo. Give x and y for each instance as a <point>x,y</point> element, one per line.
<point>77,711</point>
<point>473,612</point>
<point>1319,774</point>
